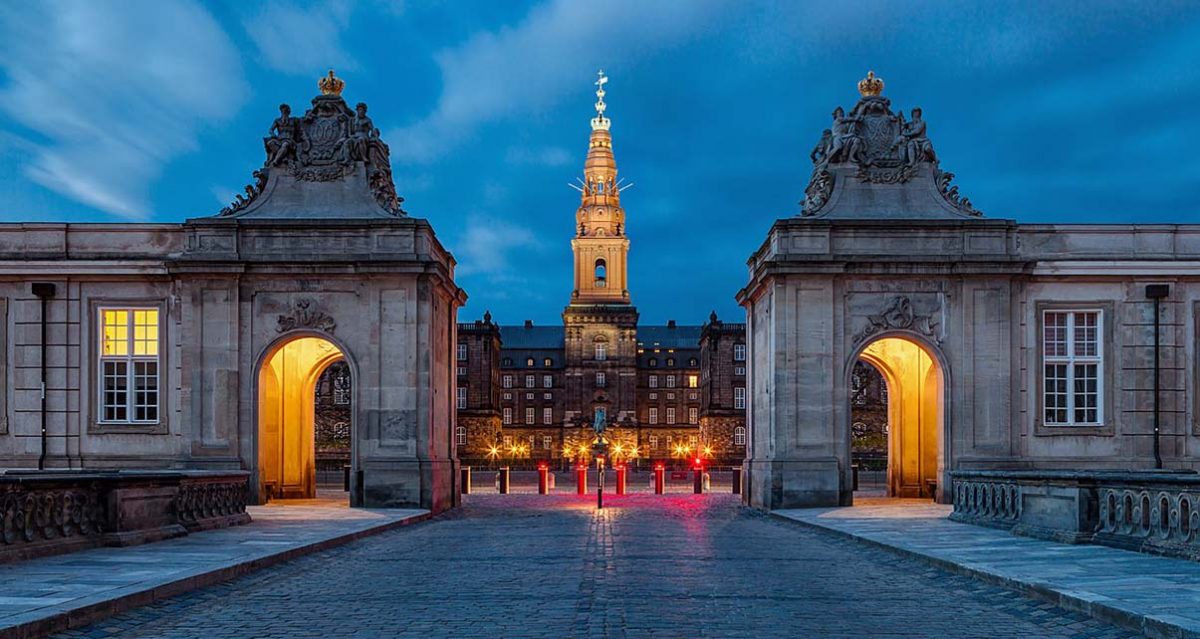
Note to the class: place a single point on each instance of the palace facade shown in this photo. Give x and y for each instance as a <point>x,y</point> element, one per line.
<point>670,392</point>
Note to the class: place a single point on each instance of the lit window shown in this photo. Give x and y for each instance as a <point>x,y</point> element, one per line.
<point>529,383</point>
<point>547,441</point>
<point>547,381</point>
<point>654,442</point>
<point>600,380</point>
<point>739,352</point>
<point>460,435</point>
<point>601,352</point>
<point>670,381</point>
<point>693,381</point>
<point>529,415</point>
<point>671,415</point>
<point>508,381</point>
<point>462,396</point>
<point>691,441</point>
<point>547,362</point>
<point>1072,364</point>
<point>462,352</point>
<point>739,436</point>
<point>129,365</point>
<point>653,417</point>
<point>508,441</point>
<point>507,415</point>
<point>529,362</point>
<point>739,397</point>
<point>547,415</point>
<point>693,415</point>
<point>653,381</point>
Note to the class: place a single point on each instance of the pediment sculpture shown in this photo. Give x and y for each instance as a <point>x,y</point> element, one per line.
<point>882,145</point>
<point>327,144</point>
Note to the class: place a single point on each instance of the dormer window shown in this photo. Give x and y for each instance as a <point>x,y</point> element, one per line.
<point>601,277</point>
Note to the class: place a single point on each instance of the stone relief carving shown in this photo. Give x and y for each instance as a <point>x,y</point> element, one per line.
<point>29,516</point>
<point>816,196</point>
<point>899,315</point>
<point>881,144</point>
<point>325,145</point>
<point>305,315</point>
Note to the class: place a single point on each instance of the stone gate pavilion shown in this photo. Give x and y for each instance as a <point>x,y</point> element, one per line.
<point>197,345</point>
<point>1003,345</point>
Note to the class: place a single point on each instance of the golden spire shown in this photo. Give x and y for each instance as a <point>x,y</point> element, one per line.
<point>331,84</point>
<point>600,122</point>
<point>870,85</point>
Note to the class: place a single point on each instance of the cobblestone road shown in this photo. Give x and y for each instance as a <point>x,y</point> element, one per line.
<point>671,566</point>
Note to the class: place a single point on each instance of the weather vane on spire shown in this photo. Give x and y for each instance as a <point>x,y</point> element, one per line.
<point>600,122</point>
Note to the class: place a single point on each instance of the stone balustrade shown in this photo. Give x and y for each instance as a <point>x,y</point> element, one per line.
<point>44,513</point>
<point>1146,511</point>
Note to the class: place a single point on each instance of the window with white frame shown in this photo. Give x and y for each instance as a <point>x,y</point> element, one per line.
<point>508,441</point>
<point>739,352</point>
<point>601,352</point>
<point>739,397</point>
<point>654,442</point>
<point>460,435</point>
<point>508,381</point>
<point>670,381</point>
<point>462,352</point>
<point>739,436</point>
<point>462,370</point>
<point>529,415</point>
<point>547,395</point>
<point>693,415</point>
<point>508,396</point>
<point>600,380</point>
<point>1072,368</point>
<point>653,395</point>
<point>671,415</point>
<point>547,415</point>
<point>547,442</point>
<point>691,441</point>
<point>653,381</point>
<point>461,396</point>
<point>693,381</point>
<point>507,415</point>
<point>653,417</point>
<point>739,370</point>
<point>547,381</point>
<point>529,381</point>
<point>529,362</point>
<point>129,365</point>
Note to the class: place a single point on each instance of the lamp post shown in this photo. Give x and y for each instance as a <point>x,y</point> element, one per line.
<point>1157,292</point>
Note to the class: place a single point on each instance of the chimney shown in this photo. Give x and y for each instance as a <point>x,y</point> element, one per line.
<point>528,323</point>
<point>670,323</point>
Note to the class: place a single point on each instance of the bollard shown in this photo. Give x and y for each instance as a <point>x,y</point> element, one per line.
<point>737,480</point>
<point>659,479</point>
<point>502,480</point>
<point>465,472</point>
<point>698,481</point>
<point>621,479</point>
<point>581,480</point>
<point>543,479</point>
<point>346,477</point>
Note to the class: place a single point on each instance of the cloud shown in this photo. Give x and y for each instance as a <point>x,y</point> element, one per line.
<point>486,247</point>
<point>108,97</point>
<point>551,54</point>
<point>300,40</point>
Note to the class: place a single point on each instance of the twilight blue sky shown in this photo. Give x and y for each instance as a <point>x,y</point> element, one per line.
<point>139,111</point>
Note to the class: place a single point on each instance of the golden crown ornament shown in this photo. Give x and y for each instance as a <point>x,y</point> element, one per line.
<point>331,84</point>
<point>870,85</point>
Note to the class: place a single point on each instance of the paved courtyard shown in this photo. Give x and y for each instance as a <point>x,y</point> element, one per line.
<point>529,566</point>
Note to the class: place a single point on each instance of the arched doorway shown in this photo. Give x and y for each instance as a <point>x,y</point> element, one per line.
<point>909,441</point>
<point>287,407</point>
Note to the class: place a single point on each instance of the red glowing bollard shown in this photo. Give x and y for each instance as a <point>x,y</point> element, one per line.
<point>621,479</point>
<point>698,477</point>
<point>543,479</point>
<point>659,479</point>
<point>581,480</point>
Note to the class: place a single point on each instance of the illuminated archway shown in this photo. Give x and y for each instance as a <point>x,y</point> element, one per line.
<point>915,413</point>
<point>287,382</point>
